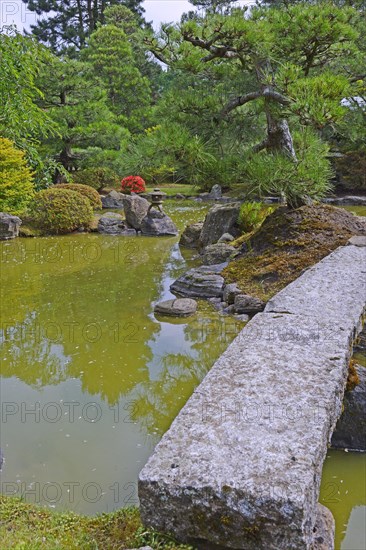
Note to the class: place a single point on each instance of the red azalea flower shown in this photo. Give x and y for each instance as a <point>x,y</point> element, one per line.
<point>134,184</point>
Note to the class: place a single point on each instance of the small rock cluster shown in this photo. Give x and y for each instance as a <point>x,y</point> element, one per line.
<point>214,235</point>
<point>213,238</point>
<point>207,282</point>
<point>139,217</point>
<point>112,223</point>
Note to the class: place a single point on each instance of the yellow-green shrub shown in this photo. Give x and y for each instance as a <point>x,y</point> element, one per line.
<point>61,210</point>
<point>91,194</point>
<point>16,179</point>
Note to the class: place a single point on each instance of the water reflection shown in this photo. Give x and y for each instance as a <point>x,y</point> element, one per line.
<point>343,491</point>
<point>90,378</point>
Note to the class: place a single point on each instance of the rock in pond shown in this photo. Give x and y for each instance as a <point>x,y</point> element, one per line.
<point>214,195</point>
<point>243,303</point>
<point>226,238</point>
<point>9,226</point>
<point>158,224</point>
<point>230,292</point>
<point>350,431</point>
<point>200,282</point>
<point>178,307</point>
<point>220,219</point>
<point>113,200</point>
<point>135,208</point>
<point>112,223</point>
<point>191,235</point>
<point>217,253</point>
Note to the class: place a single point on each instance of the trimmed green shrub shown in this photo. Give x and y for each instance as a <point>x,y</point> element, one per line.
<point>60,210</point>
<point>97,178</point>
<point>91,194</point>
<point>16,179</point>
<point>252,215</point>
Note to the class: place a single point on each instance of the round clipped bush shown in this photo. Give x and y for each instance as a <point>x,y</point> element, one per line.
<point>16,179</point>
<point>97,178</point>
<point>58,211</point>
<point>133,184</point>
<point>91,194</point>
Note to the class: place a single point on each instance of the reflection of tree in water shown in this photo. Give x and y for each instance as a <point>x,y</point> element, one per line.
<point>31,357</point>
<point>90,320</point>
<point>157,402</point>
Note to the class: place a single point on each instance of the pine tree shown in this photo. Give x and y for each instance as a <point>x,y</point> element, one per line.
<point>76,101</point>
<point>70,22</point>
<point>129,94</point>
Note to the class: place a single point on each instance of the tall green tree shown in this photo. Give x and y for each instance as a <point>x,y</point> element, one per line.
<point>123,18</point>
<point>22,119</point>
<point>69,22</point>
<point>129,95</point>
<point>75,99</point>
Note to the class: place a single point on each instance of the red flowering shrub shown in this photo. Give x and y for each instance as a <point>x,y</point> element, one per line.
<point>133,184</point>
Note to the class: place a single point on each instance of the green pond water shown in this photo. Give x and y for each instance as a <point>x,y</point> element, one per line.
<point>358,210</point>
<point>91,379</point>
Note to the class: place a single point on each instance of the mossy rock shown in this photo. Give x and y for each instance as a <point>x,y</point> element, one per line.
<point>287,243</point>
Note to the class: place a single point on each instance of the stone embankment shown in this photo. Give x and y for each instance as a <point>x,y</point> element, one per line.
<point>241,465</point>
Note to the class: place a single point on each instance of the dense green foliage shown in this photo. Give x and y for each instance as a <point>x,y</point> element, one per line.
<point>91,194</point>
<point>97,178</point>
<point>273,173</point>
<point>16,179</point>
<point>252,215</point>
<point>255,98</point>
<point>21,118</point>
<point>110,55</point>
<point>58,211</point>
<point>76,101</point>
<point>71,22</point>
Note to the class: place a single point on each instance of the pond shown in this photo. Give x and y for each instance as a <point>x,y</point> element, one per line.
<point>91,379</point>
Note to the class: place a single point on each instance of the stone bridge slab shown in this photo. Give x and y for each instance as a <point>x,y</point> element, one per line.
<point>241,464</point>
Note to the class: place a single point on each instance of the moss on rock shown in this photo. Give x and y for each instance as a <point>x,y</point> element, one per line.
<point>288,242</point>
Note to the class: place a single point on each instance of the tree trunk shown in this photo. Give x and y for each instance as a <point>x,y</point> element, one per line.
<point>279,137</point>
<point>81,24</point>
<point>66,157</point>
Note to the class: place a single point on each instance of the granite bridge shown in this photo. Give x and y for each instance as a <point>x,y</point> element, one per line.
<point>240,466</point>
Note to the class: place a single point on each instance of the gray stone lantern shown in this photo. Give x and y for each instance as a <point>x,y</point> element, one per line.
<point>157,198</point>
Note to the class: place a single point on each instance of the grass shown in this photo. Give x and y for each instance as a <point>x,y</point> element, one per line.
<point>168,188</point>
<point>174,188</point>
<point>29,527</point>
